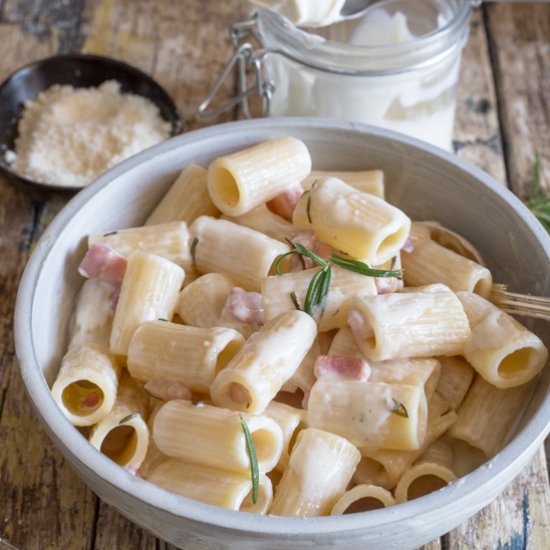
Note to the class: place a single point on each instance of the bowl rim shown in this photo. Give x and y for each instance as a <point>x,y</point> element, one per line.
<point>176,122</point>
<point>473,486</point>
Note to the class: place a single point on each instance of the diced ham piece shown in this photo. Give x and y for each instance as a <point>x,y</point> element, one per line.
<point>310,240</point>
<point>349,368</point>
<point>284,204</point>
<point>245,306</point>
<point>168,389</point>
<point>360,327</point>
<point>131,469</point>
<point>90,401</point>
<point>387,285</point>
<point>408,247</point>
<point>102,262</point>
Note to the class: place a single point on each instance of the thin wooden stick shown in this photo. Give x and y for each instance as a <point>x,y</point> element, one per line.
<point>520,304</point>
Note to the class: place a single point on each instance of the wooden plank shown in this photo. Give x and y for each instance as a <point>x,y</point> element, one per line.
<point>520,45</point>
<point>114,531</point>
<point>516,520</point>
<point>477,136</point>
<point>185,49</point>
<point>42,499</point>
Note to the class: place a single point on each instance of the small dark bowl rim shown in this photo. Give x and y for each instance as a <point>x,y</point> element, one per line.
<point>175,120</point>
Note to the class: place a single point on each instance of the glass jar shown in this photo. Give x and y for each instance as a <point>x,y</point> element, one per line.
<point>396,67</point>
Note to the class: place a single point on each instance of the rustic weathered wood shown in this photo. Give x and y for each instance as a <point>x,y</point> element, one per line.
<point>520,44</point>
<point>477,137</point>
<point>184,46</point>
<point>518,519</point>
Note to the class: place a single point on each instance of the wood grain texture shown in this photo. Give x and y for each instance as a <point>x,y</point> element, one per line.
<point>477,135</point>
<point>519,39</point>
<point>44,505</point>
<point>184,48</point>
<point>517,520</point>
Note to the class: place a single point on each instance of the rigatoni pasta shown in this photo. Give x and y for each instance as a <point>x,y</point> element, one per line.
<point>186,200</point>
<point>237,185</point>
<point>312,313</point>
<point>246,255</point>
<point>160,349</point>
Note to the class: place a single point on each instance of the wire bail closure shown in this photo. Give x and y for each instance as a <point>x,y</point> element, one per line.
<point>244,58</point>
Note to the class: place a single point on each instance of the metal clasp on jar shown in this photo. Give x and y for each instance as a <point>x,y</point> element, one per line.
<point>244,58</point>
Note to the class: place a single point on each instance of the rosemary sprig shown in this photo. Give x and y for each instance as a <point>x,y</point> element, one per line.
<point>254,471</point>
<point>361,267</point>
<point>539,201</point>
<point>194,251</point>
<point>398,408</point>
<point>295,301</point>
<point>128,418</point>
<point>317,291</point>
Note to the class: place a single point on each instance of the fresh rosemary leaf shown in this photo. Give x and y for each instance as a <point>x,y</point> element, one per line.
<point>398,408</point>
<point>280,259</point>
<point>304,251</point>
<point>128,418</point>
<point>109,234</point>
<point>295,300</point>
<point>360,267</point>
<point>194,250</point>
<point>293,246</point>
<point>308,204</point>
<point>539,201</point>
<point>317,292</point>
<point>254,471</point>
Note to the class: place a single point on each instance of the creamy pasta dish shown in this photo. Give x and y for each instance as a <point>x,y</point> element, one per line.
<point>284,341</point>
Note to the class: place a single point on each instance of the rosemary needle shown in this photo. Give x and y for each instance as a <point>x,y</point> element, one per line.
<point>539,201</point>
<point>254,471</point>
<point>399,409</point>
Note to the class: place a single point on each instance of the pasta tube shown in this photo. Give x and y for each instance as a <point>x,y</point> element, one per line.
<point>93,315</point>
<point>168,240</point>
<point>455,380</point>
<point>501,350</point>
<point>366,181</point>
<point>319,470</point>
<point>430,263</point>
<point>149,291</point>
<point>304,377</point>
<point>277,290</point>
<point>421,322</point>
<point>266,361</point>
<point>214,437</point>
<point>186,200</point>
<point>432,472</point>
<point>372,415</point>
<point>488,415</point>
<point>216,487</point>
<point>239,182</point>
<point>363,498</point>
<point>417,372</point>
<point>344,344</point>
<point>86,386</point>
<point>160,349</point>
<point>291,420</point>
<point>202,304</point>
<point>123,435</point>
<point>224,247</point>
<point>359,224</point>
<point>385,467</point>
<point>263,220</point>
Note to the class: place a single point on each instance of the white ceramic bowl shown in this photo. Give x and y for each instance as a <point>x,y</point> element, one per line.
<point>425,182</point>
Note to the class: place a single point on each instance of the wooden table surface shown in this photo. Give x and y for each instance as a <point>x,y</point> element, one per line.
<point>503,117</point>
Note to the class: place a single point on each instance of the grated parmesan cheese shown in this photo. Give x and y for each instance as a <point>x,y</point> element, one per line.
<point>69,136</point>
